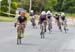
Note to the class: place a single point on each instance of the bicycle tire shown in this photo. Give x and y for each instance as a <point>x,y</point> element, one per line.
<point>19,35</point>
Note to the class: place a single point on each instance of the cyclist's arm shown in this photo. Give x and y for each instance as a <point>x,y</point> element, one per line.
<point>17,22</point>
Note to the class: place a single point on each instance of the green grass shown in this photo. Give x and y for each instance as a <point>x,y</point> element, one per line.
<point>9,19</point>
<point>6,19</point>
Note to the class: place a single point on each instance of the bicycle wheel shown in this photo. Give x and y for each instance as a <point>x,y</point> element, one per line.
<point>19,35</point>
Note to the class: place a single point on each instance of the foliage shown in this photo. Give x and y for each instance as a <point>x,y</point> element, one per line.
<point>39,5</point>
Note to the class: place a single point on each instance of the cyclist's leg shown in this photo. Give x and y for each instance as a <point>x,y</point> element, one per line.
<point>59,25</point>
<point>17,28</point>
<point>31,21</point>
<point>44,29</point>
<point>23,27</point>
<point>34,22</point>
<point>65,24</point>
<point>45,24</point>
<point>41,29</point>
<point>50,23</point>
<point>17,33</point>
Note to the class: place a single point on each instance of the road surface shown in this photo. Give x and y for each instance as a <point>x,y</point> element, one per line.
<point>55,42</point>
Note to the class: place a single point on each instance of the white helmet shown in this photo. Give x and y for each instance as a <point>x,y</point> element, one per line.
<point>48,12</point>
<point>17,12</point>
<point>43,12</point>
<point>31,11</point>
<point>56,12</point>
<point>62,14</point>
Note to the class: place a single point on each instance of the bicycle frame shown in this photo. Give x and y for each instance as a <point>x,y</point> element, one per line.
<point>19,33</point>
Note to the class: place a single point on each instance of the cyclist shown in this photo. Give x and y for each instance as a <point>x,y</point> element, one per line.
<point>32,18</point>
<point>63,18</point>
<point>49,19</point>
<point>21,20</point>
<point>43,20</point>
<point>57,18</point>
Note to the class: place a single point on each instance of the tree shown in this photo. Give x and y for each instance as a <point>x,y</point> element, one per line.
<point>69,6</point>
<point>50,4</point>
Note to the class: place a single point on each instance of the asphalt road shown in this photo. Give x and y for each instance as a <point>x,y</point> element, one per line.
<point>55,42</point>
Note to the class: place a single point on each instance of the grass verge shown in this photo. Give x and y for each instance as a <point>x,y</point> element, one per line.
<point>6,19</point>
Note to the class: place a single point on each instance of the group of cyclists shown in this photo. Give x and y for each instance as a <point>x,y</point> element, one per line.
<point>45,19</point>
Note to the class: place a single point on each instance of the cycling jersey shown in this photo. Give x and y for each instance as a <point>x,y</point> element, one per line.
<point>31,14</point>
<point>42,18</point>
<point>63,17</point>
<point>48,16</point>
<point>22,19</point>
<point>56,17</point>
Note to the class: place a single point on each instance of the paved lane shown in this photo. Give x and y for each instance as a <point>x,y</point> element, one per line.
<point>55,42</point>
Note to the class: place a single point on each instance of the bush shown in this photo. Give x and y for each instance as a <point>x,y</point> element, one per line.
<point>14,5</point>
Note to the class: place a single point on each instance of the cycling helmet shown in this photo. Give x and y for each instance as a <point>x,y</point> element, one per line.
<point>48,12</point>
<point>62,14</point>
<point>43,12</point>
<point>31,11</point>
<point>22,13</point>
<point>56,14</point>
